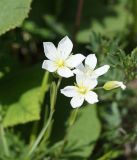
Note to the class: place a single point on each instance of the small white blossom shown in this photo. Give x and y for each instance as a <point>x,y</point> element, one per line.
<point>81,91</point>
<point>60,60</point>
<point>89,68</point>
<point>113,84</point>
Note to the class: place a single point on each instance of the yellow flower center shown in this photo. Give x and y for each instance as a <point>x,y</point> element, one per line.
<point>82,89</point>
<point>60,63</point>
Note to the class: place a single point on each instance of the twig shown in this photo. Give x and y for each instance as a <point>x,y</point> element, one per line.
<point>77,20</point>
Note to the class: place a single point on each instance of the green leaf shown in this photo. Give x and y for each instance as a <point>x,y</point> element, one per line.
<point>134,54</point>
<point>12,13</point>
<point>26,109</point>
<point>110,155</point>
<point>85,132</point>
<point>20,96</point>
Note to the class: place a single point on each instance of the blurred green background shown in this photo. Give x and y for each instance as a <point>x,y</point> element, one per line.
<point>107,28</point>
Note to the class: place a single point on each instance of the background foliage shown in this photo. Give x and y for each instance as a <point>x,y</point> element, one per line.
<point>104,131</point>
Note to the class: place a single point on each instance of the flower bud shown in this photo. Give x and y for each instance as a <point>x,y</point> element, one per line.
<point>113,84</point>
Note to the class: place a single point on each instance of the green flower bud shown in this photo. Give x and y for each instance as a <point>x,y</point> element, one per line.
<point>113,84</point>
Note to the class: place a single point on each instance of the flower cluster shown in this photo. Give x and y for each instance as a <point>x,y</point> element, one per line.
<point>61,61</point>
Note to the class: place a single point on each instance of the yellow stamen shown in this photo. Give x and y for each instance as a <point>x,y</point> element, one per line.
<point>60,63</point>
<point>82,89</point>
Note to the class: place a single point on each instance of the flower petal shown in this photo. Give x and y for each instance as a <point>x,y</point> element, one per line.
<point>65,47</point>
<point>74,60</point>
<point>91,83</point>
<point>91,61</point>
<point>80,69</point>
<point>79,79</point>
<point>102,70</point>
<point>86,81</point>
<point>49,65</point>
<point>122,86</point>
<point>50,50</point>
<point>77,101</point>
<point>65,72</point>
<point>91,97</point>
<point>69,91</point>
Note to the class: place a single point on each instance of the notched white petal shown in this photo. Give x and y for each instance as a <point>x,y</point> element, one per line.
<point>74,60</point>
<point>50,50</point>
<point>91,97</point>
<point>65,47</point>
<point>90,83</point>
<point>49,65</point>
<point>79,70</point>
<point>79,79</point>
<point>87,81</point>
<point>69,91</point>
<point>91,61</point>
<point>81,67</point>
<point>77,101</point>
<point>101,70</point>
<point>65,72</point>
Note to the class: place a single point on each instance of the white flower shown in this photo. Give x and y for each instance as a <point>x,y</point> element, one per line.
<point>60,60</point>
<point>81,91</point>
<point>113,84</point>
<point>88,69</point>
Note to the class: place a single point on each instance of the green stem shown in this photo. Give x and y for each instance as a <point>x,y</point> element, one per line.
<point>73,117</point>
<point>59,82</point>
<point>44,86</point>
<point>53,97</point>
<point>98,88</point>
<point>33,133</point>
<point>4,142</point>
<point>44,89</point>
<point>40,136</point>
